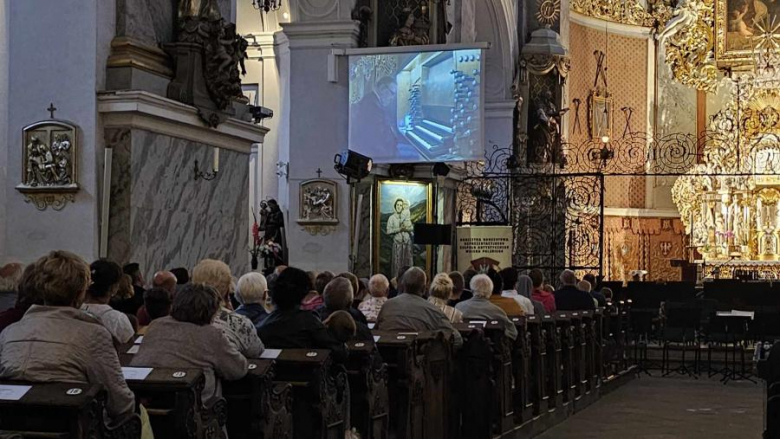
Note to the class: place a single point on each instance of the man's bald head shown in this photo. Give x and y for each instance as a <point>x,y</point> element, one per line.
<point>165,280</point>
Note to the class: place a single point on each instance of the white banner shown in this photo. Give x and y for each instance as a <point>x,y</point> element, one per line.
<point>483,246</point>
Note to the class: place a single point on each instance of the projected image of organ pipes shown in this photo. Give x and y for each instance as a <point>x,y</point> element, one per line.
<point>412,107</point>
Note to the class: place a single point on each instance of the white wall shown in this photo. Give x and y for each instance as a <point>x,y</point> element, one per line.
<point>56,53</point>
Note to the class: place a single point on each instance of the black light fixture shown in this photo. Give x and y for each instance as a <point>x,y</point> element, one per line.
<point>267,5</point>
<point>441,169</point>
<point>352,165</point>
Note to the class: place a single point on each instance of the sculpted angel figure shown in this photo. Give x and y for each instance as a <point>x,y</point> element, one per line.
<point>685,15</point>
<point>206,9</point>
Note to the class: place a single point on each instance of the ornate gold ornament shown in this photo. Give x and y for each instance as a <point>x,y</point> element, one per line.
<point>49,157</point>
<point>617,11</point>
<point>689,42</point>
<point>548,11</point>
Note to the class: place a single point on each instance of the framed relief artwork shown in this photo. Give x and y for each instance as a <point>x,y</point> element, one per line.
<point>600,113</point>
<point>399,205</point>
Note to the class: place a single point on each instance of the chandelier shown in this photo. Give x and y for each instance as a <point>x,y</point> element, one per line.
<point>267,5</point>
<point>766,55</point>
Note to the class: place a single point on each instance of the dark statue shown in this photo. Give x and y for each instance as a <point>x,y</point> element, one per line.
<point>545,135</point>
<point>209,57</point>
<point>272,223</point>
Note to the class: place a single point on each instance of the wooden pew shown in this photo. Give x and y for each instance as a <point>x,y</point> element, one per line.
<point>172,397</point>
<point>475,384</point>
<point>405,383</point>
<point>521,370</point>
<point>568,383</point>
<point>437,356</point>
<point>580,380</point>
<point>369,405</point>
<point>320,392</point>
<point>598,343</point>
<point>257,407</point>
<point>588,335</point>
<point>62,410</point>
<point>538,396</point>
<point>552,341</point>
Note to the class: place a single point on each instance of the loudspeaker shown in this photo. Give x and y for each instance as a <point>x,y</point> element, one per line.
<point>441,169</point>
<point>433,234</point>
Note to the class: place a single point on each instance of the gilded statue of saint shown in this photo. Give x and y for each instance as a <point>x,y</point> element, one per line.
<point>204,9</point>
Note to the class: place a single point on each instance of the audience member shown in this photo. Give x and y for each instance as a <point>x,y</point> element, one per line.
<point>338,296</point>
<point>182,277</point>
<point>165,280</point>
<point>510,306</point>
<point>342,326</point>
<point>607,293</point>
<point>459,290</point>
<point>525,288</point>
<point>251,292</point>
<point>188,339</point>
<point>509,277</point>
<point>313,299</point>
<point>362,293</point>
<point>586,286</point>
<point>238,329</point>
<point>540,294</point>
<point>58,342</point>
<point>106,276</point>
<point>469,274</point>
<point>410,312</point>
<point>288,326</point>
<point>132,304</point>
<point>395,283</point>
<point>353,280</point>
<point>27,297</point>
<point>440,292</point>
<point>378,288</point>
<point>157,302</point>
<point>594,291</point>
<point>480,306</point>
<point>10,275</point>
<point>569,297</point>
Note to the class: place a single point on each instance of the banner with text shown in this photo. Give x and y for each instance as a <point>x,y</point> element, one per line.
<point>483,246</point>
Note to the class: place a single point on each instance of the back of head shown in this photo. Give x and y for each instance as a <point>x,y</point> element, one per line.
<point>322,280</point>
<point>28,295</point>
<point>182,275</point>
<point>508,277</point>
<point>10,275</point>
<point>441,286</point>
<point>312,277</point>
<point>341,325</point>
<point>196,303</point>
<point>157,302</point>
<point>591,279</point>
<point>338,294</point>
<point>399,276</point>
<point>607,292</point>
<point>215,274</point>
<point>378,285</point>
<point>584,285</point>
<point>61,277</point>
<point>458,283</point>
<point>413,281</point>
<point>568,278</point>
<point>468,275</point>
<point>524,286</point>
<point>290,287</point>
<point>133,269</point>
<point>537,277</point>
<point>165,279</point>
<point>549,288</point>
<point>251,288</point>
<point>481,286</point>
<point>498,283</point>
<point>105,275</point>
<point>353,280</point>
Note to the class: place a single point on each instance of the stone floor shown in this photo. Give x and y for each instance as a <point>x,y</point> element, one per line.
<point>672,407</point>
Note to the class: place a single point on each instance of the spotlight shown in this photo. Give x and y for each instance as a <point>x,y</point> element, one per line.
<point>440,169</point>
<point>352,165</point>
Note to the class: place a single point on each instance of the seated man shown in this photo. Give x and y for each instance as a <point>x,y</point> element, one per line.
<point>157,304</point>
<point>459,291</point>
<point>187,339</point>
<point>165,280</point>
<point>480,307</point>
<point>250,293</point>
<point>378,288</point>
<point>338,296</point>
<point>569,297</point>
<point>509,305</point>
<point>409,311</point>
<point>56,342</point>
<point>288,326</point>
<point>25,299</point>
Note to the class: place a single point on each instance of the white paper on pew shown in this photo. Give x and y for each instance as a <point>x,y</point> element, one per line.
<point>736,313</point>
<point>271,354</point>
<point>133,350</point>
<point>136,373</point>
<point>408,333</point>
<point>478,322</point>
<point>371,325</point>
<point>139,340</point>
<point>376,338</point>
<point>13,392</point>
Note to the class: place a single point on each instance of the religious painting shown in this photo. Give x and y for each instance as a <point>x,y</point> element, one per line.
<point>318,206</point>
<point>600,115</point>
<point>49,156</point>
<point>737,23</point>
<point>398,206</point>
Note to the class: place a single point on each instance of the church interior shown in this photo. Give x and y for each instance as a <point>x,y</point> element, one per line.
<point>389,219</point>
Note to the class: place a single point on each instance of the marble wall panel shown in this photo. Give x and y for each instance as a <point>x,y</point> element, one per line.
<point>162,217</point>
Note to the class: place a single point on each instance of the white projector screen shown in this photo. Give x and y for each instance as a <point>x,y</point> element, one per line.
<point>414,105</point>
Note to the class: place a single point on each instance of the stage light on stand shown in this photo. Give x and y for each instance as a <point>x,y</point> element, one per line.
<point>352,165</point>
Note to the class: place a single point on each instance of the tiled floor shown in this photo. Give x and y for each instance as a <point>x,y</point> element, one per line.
<point>672,407</point>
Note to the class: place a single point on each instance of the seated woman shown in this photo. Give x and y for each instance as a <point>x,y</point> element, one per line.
<point>187,339</point>
<point>24,300</point>
<point>250,292</point>
<point>440,292</point>
<point>106,280</point>
<point>56,342</point>
<point>238,329</point>
<point>288,326</point>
